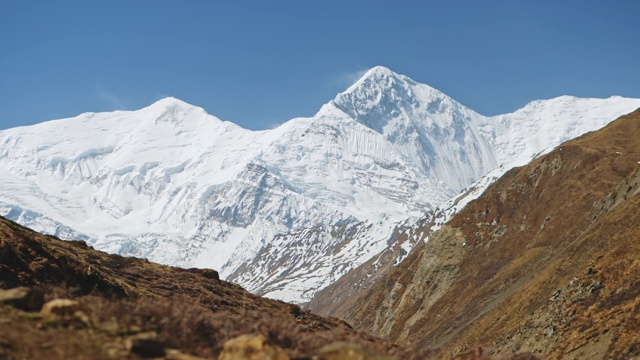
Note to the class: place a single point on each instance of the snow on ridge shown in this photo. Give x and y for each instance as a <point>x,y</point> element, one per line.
<point>285,211</point>
<point>546,123</point>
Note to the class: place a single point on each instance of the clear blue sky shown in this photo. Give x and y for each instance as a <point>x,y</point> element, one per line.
<point>260,63</point>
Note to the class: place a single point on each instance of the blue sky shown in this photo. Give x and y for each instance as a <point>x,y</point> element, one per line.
<point>260,63</point>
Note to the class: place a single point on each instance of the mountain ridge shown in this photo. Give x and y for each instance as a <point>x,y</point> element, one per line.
<point>544,261</point>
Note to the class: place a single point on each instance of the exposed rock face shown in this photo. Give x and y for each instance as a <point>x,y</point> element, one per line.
<point>545,261</point>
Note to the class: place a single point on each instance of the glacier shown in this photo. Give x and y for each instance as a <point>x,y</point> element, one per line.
<point>283,212</point>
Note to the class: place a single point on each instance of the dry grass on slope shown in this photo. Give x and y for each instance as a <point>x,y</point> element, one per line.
<point>120,299</point>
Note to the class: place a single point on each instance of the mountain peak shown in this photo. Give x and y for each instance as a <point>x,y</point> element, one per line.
<point>379,71</point>
<point>382,95</point>
<point>174,110</point>
<point>378,76</point>
<point>171,102</point>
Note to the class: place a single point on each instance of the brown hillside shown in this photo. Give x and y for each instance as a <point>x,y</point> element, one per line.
<point>547,260</point>
<point>337,298</point>
<point>130,308</point>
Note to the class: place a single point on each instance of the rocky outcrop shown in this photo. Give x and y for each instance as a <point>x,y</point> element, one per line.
<point>438,268</point>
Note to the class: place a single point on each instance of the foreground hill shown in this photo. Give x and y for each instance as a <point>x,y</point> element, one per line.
<point>118,302</point>
<point>546,260</point>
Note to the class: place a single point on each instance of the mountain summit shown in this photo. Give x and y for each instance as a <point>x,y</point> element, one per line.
<point>428,128</point>
<point>381,96</point>
<point>284,212</point>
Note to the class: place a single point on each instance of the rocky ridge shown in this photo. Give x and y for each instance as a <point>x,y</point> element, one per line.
<point>544,261</point>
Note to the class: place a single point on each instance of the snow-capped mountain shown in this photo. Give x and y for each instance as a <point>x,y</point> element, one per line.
<point>283,212</point>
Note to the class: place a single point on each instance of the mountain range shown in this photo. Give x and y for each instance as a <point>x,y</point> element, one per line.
<point>284,212</point>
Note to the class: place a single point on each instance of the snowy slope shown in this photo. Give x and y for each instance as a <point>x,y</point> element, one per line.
<point>284,212</point>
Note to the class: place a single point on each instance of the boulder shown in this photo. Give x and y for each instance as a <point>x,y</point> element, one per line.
<point>60,307</point>
<point>174,354</point>
<point>251,347</point>
<point>23,298</point>
<point>146,345</point>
